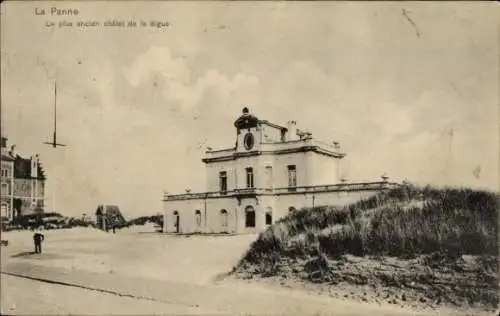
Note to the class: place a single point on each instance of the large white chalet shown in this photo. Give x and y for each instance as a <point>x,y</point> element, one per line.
<point>270,171</point>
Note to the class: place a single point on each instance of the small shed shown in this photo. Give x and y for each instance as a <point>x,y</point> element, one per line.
<point>109,216</point>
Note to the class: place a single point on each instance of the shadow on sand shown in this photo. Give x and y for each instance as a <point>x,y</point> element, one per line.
<point>38,256</point>
<point>24,254</point>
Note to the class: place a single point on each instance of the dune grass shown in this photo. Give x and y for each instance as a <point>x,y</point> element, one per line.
<point>403,222</point>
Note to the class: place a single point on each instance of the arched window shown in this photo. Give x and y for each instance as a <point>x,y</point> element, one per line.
<point>197,216</point>
<point>249,216</point>
<point>269,216</point>
<point>223,218</point>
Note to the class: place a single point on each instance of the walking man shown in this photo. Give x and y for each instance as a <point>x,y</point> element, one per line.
<point>38,239</point>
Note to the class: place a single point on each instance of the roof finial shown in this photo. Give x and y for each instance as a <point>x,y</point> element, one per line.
<point>385,177</point>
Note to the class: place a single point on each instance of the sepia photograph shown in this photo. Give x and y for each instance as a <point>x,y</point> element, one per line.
<point>249,158</point>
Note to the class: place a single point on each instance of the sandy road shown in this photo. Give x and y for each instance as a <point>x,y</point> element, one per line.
<point>100,273</point>
<point>161,296</point>
<point>22,296</point>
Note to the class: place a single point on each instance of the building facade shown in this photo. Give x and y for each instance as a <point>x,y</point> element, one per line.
<point>270,171</point>
<point>7,183</point>
<point>22,185</point>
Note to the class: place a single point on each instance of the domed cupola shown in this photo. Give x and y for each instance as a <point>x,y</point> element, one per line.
<point>246,121</point>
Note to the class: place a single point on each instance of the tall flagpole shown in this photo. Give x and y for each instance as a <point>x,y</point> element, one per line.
<point>54,143</point>
<point>54,140</point>
<point>55,111</point>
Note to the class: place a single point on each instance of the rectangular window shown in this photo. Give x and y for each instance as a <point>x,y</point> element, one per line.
<point>249,177</point>
<point>292,176</point>
<point>223,181</point>
<point>5,189</point>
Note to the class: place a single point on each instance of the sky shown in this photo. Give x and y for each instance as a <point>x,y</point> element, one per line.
<point>408,89</point>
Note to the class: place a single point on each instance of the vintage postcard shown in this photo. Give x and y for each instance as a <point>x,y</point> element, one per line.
<point>249,158</point>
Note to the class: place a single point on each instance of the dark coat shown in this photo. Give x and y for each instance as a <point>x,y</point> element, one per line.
<point>38,238</point>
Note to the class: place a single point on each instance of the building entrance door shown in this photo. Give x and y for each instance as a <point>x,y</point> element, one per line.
<point>177,222</point>
<point>197,218</point>
<point>224,222</point>
<point>249,217</point>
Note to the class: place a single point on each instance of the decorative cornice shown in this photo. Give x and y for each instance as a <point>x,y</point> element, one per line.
<point>237,155</point>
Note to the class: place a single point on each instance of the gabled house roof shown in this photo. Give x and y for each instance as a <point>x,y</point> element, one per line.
<point>22,169</point>
<point>112,213</point>
<point>7,157</point>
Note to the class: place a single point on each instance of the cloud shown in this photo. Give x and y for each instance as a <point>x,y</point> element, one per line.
<point>394,119</point>
<point>178,84</point>
<point>157,59</point>
<point>136,144</point>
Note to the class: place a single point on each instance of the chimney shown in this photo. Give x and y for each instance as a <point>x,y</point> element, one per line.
<point>34,166</point>
<point>292,130</point>
<point>307,134</point>
<point>12,151</point>
<point>336,145</point>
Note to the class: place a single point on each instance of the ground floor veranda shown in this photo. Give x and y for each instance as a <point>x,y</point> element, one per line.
<point>252,210</point>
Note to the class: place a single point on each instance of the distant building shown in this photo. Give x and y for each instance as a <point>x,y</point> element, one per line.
<point>108,216</point>
<point>7,182</point>
<point>22,184</point>
<point>270,171</point>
